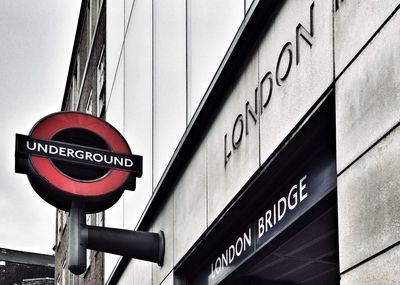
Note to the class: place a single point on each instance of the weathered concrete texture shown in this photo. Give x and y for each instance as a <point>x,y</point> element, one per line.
<point>309,73</point>
<point>190,218</point>
<point>355,23</point>
<point>165,222</point>
<point>368,203</point>
<point>128,275</point>
<point>368,95</point>
<point>383,269</point>
<point>169,280</point>
<point>142,272</point>
<point>225,181</point>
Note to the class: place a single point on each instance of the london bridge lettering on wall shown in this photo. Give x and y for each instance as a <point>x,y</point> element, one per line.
<point>272,216</point>
<point>263,93</point>
<point>246,243</point>
<point>337,4</point>
<point>241,245</point>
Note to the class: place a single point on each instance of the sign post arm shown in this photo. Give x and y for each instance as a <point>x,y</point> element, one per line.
<point>77,241</point>
<point>135,244</point>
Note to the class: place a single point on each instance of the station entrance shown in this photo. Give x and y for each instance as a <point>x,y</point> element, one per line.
<point>282,228</point>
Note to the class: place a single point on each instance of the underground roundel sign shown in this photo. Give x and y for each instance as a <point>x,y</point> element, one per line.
<point>71,157</point>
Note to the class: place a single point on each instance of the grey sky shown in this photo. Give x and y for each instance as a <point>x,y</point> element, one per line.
<point>36,39</point>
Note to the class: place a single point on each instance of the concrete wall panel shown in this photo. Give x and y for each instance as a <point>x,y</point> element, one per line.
<point>169,280</point>
<point>368,95</point>
<point>299,60</point>
<point>142,272</point>
<point>165,222</point>
<point>169,81</point>
<point>128,6</point>
<point>114,40</point>
<point>368,203</point>
<point>190,218</point>
<point>224,181</point>
<point>361,18</point>
<point>383,269</point>
<point>138,107</point>
<point>128,275</point>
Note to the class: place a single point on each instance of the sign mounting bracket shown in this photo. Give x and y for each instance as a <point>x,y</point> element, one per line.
<point>146,246</point>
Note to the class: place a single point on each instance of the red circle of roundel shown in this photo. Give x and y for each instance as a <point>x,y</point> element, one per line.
<point>49,126</point>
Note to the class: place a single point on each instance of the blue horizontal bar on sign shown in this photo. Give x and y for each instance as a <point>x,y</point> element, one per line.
<point>26,145</point>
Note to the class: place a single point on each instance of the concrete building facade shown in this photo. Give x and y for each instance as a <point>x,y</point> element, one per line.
<point>269,131</point>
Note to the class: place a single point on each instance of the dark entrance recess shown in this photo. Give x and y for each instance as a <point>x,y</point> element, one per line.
<point>305,253</point>
<point>301,248</point>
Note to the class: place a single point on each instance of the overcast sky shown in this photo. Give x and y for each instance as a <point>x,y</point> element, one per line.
<point>36,39</point>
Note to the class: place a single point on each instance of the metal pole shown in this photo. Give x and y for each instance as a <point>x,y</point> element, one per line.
<point>135,244</point>
<point>77,240</point>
